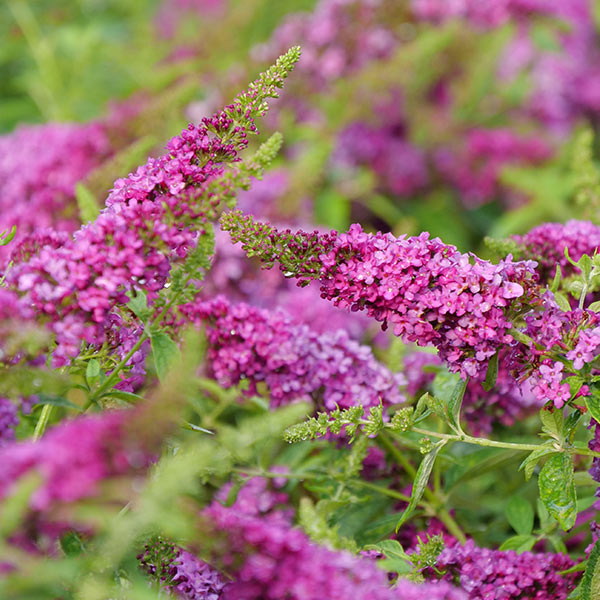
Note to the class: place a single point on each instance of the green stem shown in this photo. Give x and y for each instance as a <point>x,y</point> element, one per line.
<point>467,439</point>
<point>114,376</point>
<point>42,422</point>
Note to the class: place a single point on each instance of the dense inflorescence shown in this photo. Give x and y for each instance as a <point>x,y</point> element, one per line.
<point>505,575</point>
<point>475,169</point>
<point>179,571</point>
<point>254,345</point>
<point>73,458</point>
<point>269,558</point>
<point>39,167</point>
<point>427,291</point>
<point>8,420</point>
<point>151,221</point>
<point>546,244</point>
<point>241,280</point>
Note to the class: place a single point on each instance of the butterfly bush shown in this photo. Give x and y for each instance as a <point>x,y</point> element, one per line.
<point>269,558</point>
<point>505,575</point>
<point>73,458</point>
<point>237,278</point>
<point>8,420</point>
<point>182,573</point>
<point>476,168</point>
<point>151,221</point>
<point>39,167</point>
<point>427,292</point>
<point>254,345</point>
<point>546,244</point>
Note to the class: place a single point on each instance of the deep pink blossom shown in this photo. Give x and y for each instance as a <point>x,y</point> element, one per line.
<point>546,244</point>
<point>505,575</point>
<point>254,345</point>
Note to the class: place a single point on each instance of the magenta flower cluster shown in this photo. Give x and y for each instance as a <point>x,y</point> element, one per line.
<point>151,220</point>
<point>72,459</point>
<point>241,280</point>
<point>428,292</point>
<point>8,421</point>
<point>325,57</point>
<point>546,244</point>
<point>39,167</point>
<point>270,559</point>
<point>256,346</point>
<point>400,167</point>
<point>182,573</point>
<point>574,334</point>
<point>505,575</point>
<point>475,169</point>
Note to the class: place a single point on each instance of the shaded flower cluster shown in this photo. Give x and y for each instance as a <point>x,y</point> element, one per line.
<point>8,420</point>
<point>72,459</point>
<point>506,403</point>
<point>270,559</point>
<point>505,575</point>
<point>253,345</point>
<point>400,166</point>
<point>475,170</point>
<point>39,167</point>
<point>182,573</point>
<point>546,244</point>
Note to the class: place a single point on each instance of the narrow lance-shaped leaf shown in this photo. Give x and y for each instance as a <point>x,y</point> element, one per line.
<point>557,489</point>
<point>420,483</point>
<point>492,373</point>
<point>164,351</point>
<point>593,402</point>
<point>590,584</point>
<point>448,390</point>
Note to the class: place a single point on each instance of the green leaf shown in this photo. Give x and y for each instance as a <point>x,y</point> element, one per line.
<point>87,204</point>
<point>519,514</point>
<point>492,373</point>
<point>590,584</point>
<point>396,560</point>
<point>122,395</point>
<point>420,483</point>
<point>448,391</point>
<point>7,236</point>
<point>519,543</point>
<point>138,304</point>
<point>92,372</point>
<point>56,401</point>
<point>391,548</point>
<point>165,353</point>
<point>552,422</point>
<point>72,544</point>
<point>557,489</point>
<point>594,306</point>
<point>562,301</point>
<point>593,403</point>
<point>529,463</point>
<point>556,281</point>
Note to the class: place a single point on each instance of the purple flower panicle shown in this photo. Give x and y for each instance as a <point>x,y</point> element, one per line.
<point>255,345</point>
